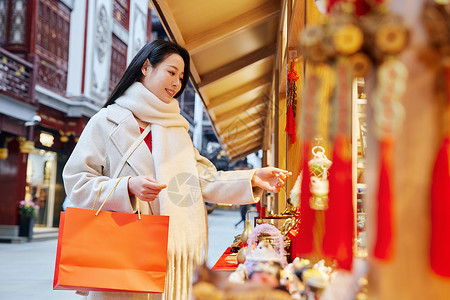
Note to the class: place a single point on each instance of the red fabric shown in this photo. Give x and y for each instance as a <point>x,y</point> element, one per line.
<point>440,206</point>
<point>222,264</point>
<point>302,243</point>
<point>290,124</point>
<point>384,235</point>
<point>148,139</point>
<point>339,217</point>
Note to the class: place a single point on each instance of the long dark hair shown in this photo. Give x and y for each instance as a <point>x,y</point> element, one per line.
<point>156,51</point>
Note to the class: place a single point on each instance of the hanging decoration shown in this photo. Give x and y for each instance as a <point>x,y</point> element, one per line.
<point>361,34</point>
<point>436,16</point>
<point>319,185</point>
<point>339,225</point>
<point>338,43</point>
<point>392,76</point>
<point>303,241</point>
<point>387,36</point>
<point>291,92</point>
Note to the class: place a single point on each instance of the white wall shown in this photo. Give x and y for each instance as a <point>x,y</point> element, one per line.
<point>98,71</point>
<point>76,48</point>
<point>138,27</point>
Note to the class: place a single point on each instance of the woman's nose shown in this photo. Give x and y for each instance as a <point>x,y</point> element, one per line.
<point>176,82</point>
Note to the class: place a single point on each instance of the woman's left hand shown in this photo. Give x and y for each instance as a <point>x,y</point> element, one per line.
<point>270,178</point>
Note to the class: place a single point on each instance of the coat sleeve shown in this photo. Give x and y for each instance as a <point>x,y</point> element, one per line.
<point>232,187</point>
<point>87,171</point>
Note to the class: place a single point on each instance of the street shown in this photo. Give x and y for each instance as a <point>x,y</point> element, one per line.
<point>26,270</point>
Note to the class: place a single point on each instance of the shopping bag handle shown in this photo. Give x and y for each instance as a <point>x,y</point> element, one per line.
<point>107,197</point>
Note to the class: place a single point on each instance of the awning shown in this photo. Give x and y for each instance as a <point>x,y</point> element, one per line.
<point>233,48</point>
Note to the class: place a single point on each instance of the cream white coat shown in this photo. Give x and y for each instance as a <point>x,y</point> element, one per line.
<point>104,141</point>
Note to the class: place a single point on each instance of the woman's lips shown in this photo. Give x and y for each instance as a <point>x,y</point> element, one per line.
<point>170,92</point>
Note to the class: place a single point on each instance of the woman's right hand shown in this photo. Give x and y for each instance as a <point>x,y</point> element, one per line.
<point>145,188</point>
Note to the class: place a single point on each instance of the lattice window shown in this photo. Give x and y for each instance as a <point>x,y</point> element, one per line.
<point>53,30</point>
<point>52,44</point>
<point>17,27</point>
<point>4,6</point>
<point>118,61</point>
<point>121,12</point>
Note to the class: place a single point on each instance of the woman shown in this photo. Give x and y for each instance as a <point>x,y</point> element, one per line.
<point>166,174</point>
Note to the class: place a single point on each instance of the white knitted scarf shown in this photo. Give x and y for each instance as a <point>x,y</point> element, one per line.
<point>175,165</point>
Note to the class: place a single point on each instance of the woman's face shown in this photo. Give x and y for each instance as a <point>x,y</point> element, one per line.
<point>165,80</point>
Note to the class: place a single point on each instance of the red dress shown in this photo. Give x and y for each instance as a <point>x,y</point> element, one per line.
<point>148,139</point>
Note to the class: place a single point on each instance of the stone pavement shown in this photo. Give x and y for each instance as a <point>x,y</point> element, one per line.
<point>26,270</point>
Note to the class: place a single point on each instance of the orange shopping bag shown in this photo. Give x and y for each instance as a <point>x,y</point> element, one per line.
<point>111,251</point>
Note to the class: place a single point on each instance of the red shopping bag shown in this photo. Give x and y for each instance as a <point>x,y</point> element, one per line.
<point>111,251</point>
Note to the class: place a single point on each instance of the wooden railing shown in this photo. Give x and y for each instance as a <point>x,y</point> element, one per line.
<point>17,77</point>
<point>52,77</point>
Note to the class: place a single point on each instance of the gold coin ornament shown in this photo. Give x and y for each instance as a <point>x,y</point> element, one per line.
<point>378,35</point>
<point>312,36</point>
<point>386,100</point>
<point>391,38</point>
<point>348,39</point>
<point>360,64</point>
<point>311,44</point>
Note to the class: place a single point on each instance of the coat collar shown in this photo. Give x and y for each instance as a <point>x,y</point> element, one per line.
<point>117,113</point>
<point>123,137</point>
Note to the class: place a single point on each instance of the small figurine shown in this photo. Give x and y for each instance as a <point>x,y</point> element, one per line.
<point>319,185</point>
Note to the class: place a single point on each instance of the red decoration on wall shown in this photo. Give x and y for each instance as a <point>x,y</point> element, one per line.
<point>290,124</point>
<point>291,96</point>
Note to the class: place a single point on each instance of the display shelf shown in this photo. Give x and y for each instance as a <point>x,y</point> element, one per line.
<point>361,101</point>
<point>359,144</point>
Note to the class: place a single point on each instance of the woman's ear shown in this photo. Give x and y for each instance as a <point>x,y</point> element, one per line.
<point>145,67</point>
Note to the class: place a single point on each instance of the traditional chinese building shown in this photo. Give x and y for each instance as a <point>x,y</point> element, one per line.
<point>59,61</point>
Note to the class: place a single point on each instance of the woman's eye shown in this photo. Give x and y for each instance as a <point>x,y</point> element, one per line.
<point>172,73</point>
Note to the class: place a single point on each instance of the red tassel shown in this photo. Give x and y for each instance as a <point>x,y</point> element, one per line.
<point>302,243</point>
<point>440,206</point>
<point>339,217</point>
<point>290,124</point>
<point>384,235</point>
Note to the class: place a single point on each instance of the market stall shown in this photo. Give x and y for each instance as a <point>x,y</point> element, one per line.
<point>352,98</point>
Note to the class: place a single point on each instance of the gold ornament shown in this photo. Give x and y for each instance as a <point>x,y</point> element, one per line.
<point>3,153</point>
<point>391,38</point>
<point>361,64</point>
<point>311,43</point>
<point>348,39</point>
<point>26,146</point>
<point>247,231</point>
